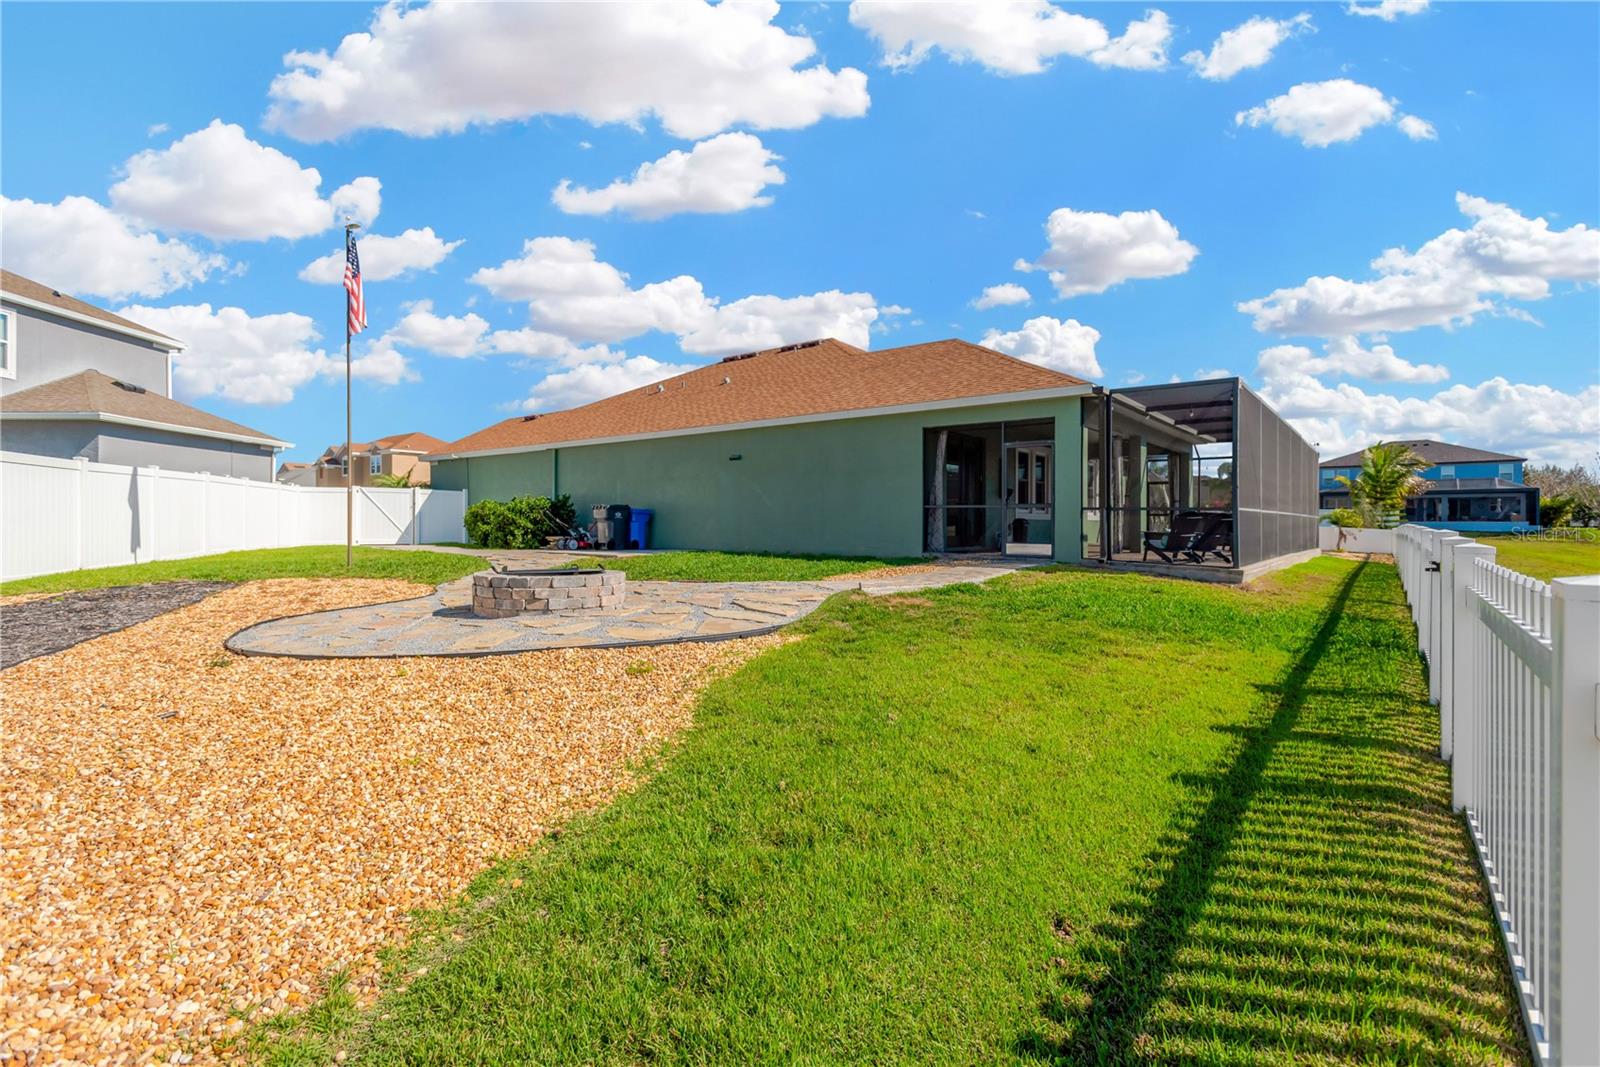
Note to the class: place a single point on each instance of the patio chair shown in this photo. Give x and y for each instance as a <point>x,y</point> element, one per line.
<point>1171,544</point>
<point>1216,539</point>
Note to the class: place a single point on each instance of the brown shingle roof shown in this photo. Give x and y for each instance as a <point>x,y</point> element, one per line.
<point>28,289</point>
<point>816,378</point>
<point>414,441</point>
<point>1435,452</point>
<point>90,391</point>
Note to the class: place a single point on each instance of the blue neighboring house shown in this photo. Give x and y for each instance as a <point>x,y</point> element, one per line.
<point>1469,489</point>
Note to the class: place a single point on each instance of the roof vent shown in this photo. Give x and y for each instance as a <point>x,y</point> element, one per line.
<point>726,380</point>
<point>661,387</point>
<point>529,418</point>
<point>129,386</point>
<point>797,346</point>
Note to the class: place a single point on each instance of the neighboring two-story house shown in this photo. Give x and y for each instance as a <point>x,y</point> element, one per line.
<point>77,381</point>
<point>1469,489</point>
<point>398,454</point>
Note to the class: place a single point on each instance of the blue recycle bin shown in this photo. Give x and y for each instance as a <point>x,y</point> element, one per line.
<point>639,528</point>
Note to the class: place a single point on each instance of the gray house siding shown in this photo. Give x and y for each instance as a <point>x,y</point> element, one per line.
<point>48,347</point>
<point>136,446</point>
<point>62,439</point>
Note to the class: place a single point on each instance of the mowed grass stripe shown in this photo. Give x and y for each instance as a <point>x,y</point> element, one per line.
<point>1064,816</point>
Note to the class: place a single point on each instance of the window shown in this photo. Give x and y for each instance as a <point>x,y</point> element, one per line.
<point>376,466</point>
<point>1447,470</point>
<point>1508,471</point>
<point>8,344</point>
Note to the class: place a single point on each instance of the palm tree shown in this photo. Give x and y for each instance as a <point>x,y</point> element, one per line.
<point>1389,477</point>
<point>392,481</point>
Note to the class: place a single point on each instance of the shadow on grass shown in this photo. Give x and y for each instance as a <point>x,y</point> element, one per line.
<point>1316,899</point>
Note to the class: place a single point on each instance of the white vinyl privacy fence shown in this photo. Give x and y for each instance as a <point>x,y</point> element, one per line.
<point>64,514</point>
<point>1514,665</point>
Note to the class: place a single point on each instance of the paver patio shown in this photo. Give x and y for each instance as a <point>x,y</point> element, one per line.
<point>442,623</point>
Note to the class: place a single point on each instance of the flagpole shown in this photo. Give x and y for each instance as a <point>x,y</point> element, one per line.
<point>349,435</point>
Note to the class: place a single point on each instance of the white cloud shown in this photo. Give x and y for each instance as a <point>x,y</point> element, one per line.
<point>1246,46</point>
<point>80,246</point>
<point>438,68</point>
<point>1417,129</point>
<point>1445,282</point>
<point>359,201</point>
<point>1202,374</point>
<point>596,381</point>
<point>156,129</point>
<point>1001,295</point>
<point>253,359</point>
<point>1538,421</point>
<point>383,258</point>
<point>217,182</point>
<point>728,173</point>
<point>758,322</point>
<point>381,364</point>
<point>1013,37</point>
<point>1008,38</point>
<point>1388,10</point>
<point>1064,346</point>
<point>1142,46</point>
<point>1345,358</point>
<point>1091,251</point>
<point>1322,113</point>
<point>572,293</point>
<point>457,336</point>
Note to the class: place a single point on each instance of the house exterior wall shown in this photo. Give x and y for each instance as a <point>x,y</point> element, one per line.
<point>48,347</point>
<point>846,486</point>
<point>137,446</point>
<point>1508,471</point>
<point>63,439</point>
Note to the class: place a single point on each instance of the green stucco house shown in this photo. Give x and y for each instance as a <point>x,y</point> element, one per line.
<point>822,447</point>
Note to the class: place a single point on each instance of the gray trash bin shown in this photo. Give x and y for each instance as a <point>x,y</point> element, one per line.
<point>602,526</point>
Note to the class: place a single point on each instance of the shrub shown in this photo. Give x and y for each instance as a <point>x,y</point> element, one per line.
<point>1348,518</point>
<point>1557,510</point>
<point>521,522</point>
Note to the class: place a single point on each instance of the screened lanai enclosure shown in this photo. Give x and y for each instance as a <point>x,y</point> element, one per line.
<point>990,488</point>
<point>1195,476</point>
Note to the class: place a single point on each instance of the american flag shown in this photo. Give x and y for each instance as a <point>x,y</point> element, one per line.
<point>356,302</point>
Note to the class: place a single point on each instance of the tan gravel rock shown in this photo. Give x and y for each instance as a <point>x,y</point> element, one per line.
<point>188,833</point>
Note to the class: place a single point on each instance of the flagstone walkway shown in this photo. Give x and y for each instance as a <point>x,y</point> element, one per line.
<point>442,623</point>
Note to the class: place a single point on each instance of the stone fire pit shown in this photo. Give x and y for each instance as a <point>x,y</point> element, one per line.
<point>505,594</point>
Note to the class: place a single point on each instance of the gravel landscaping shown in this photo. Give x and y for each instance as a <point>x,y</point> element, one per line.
<point>192,836</point>
<point>37,625</point>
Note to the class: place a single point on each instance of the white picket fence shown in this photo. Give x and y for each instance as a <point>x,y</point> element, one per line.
<point>64,514</point>
<point>1514,665</point>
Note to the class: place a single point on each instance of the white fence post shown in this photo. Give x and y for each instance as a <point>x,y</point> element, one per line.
<point>1575,633</point>
<point>1466,703</point>
<point>416,514</point>
<point>1438,598</point>
<point>80,505</point>
<point>1447,644</point>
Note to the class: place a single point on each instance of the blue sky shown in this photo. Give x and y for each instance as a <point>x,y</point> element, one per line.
<point>156,157</point>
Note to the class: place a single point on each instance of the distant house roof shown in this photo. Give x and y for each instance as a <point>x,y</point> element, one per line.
<point>1435,452</point>
<point>814,379</point>
<point>29,293</point>
<point>99,397</point>
<point>413,441</point>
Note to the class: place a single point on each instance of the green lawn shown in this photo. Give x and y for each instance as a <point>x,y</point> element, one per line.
<point>1064,817</point>
<point>1547,559</point>
<point>321,561</point>
<point>743,566</point>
